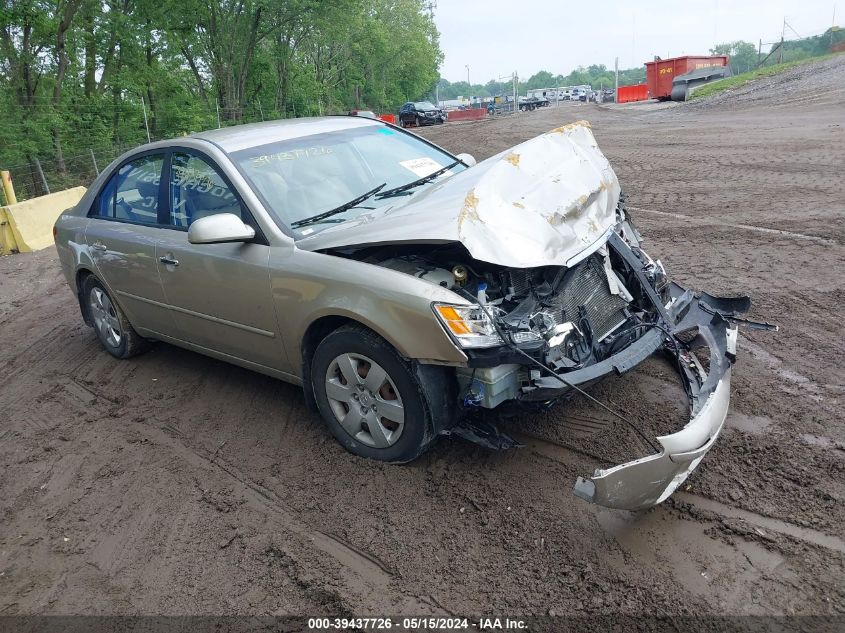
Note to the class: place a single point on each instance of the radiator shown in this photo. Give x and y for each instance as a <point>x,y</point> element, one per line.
<point>588,287</point>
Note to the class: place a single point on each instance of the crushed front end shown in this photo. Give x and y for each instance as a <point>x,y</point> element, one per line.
<point>536,335</point>
<point>554,292</point>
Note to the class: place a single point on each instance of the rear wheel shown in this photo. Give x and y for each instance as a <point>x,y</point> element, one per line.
<point>375,403</point>
<point>110,324</point>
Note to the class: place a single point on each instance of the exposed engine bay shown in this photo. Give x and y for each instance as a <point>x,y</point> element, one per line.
<point>568,314</point>
<point>566,318</point>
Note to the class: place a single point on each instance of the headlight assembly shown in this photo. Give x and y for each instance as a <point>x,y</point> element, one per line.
<point>469,325</point>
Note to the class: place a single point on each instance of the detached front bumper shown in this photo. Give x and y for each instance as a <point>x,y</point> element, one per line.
<point>704,321</point>
<point>646,482</point>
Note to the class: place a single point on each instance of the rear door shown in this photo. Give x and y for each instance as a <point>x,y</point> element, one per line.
<point>219,294</point>
<point>122,235</point>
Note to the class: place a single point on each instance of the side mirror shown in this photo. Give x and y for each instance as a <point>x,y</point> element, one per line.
<point>222,227</point>
<point>467,159</point>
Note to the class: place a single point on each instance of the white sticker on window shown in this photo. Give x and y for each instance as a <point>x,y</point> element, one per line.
<point>421,166</point>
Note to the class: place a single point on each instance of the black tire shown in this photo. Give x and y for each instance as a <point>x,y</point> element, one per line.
<point>425,392</point>
<point>130,343</point>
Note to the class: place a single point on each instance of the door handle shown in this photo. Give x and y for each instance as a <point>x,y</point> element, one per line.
<point>167,261</point>
<point>99,246</point>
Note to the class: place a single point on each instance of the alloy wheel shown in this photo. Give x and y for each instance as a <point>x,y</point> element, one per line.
<point>105,317</point>
<point>365,400</point>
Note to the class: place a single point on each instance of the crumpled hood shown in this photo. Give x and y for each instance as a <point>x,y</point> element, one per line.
<point>539,203</point>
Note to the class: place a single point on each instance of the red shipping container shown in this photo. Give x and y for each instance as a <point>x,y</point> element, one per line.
<point>659,74</point>
<point>637,92</point>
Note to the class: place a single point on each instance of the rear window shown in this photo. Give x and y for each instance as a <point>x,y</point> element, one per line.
<point>131,194</point>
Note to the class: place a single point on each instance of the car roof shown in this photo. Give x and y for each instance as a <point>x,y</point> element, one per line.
<point>238,137</point>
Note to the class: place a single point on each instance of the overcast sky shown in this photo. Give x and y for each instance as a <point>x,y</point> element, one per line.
<point>496,37</point>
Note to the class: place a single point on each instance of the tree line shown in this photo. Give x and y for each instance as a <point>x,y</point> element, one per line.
<point>745,56</point>
<point>82,74</point>
<point>596,75</point>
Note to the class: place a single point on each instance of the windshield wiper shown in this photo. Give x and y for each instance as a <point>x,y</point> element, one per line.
<point>336,210</point>
<point>416,183</point>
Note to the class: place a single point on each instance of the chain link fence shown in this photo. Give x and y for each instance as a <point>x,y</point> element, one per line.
<point>47,174</point>
<point>44,173</point>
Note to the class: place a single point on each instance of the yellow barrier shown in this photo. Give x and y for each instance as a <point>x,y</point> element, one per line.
<point>28,226</point>
<point>8,189</point>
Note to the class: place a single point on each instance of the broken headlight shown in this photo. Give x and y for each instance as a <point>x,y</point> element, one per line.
<point>469,325</point>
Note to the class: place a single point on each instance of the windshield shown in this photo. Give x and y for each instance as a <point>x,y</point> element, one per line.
<point>424,105</point>
<point>303,177</point>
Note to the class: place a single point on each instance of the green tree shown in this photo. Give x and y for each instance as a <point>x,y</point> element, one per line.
<point>541,79</point>
<point>742,56</point>
<point>83,76</point>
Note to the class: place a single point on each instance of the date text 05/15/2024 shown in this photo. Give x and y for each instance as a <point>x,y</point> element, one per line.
<point>417,624</point>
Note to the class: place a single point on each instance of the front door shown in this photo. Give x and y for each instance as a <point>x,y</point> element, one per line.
<point>122,237</point>
<point>219,294</point>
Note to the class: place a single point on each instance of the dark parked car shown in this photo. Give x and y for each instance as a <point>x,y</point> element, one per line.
<point>420,113</point>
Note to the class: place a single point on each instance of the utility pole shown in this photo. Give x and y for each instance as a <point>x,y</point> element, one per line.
<point>782,33</point>
<point>469,85</point>
<point>41,173</point>
<point>144,106</point>
<point>759,51</point>
<point>515,93</point>
<point>616,88</point>
<point>217,108</point>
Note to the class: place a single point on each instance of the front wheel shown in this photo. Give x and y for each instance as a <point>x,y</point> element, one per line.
<point>376,403</point>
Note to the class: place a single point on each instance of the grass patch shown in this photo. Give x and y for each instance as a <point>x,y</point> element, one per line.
<point>740,80</point>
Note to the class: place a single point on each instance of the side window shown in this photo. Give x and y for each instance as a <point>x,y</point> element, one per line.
<point>197,190</point>
<point>132,193</point>
<point>105,204</point>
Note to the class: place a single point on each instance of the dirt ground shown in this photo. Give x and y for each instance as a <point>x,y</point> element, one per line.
<point>177,484</point>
